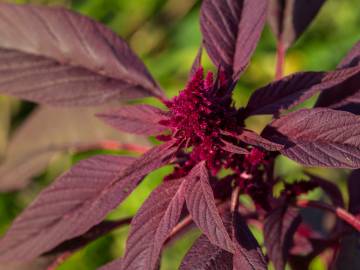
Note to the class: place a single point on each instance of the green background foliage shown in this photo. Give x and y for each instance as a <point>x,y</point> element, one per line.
<point>166,35</point>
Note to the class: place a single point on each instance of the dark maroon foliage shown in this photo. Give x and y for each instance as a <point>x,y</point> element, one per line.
<point>57,57</point>
<point>289,18</point>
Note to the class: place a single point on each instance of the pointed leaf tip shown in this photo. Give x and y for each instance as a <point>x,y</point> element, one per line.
<point>231,30</point>
<point>279,228</point>
<point>333,143</point>
<point>77,201</point>
<point>203,210</point>
<point>67,60</point>
<point>138,119</point>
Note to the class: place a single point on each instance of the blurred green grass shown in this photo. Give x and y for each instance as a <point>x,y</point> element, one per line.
<point>166,34</point>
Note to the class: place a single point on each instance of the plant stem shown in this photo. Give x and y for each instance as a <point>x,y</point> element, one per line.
<point>280,60</point>
<point>113,145</point>
<point>338,211</point>
<point>235,199</point>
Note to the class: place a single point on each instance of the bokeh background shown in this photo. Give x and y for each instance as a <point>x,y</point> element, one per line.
<point>166,35</point>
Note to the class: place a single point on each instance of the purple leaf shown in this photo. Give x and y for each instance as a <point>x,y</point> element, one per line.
<point>203,255</point>
<point>294,89</point>
<point>58,57</point>
<point>38,140</point>
<point>93,234</point>
<point>248,255</point>
<point>201,205</point>
<point>77,201</point>
<point>331,189</point>
<point>151,226</point>
<point>354,192</point>
<point>348,253</point>
<point>231,30</point>
<point>346,96</point>
<point>138,119</point>
<point>343,97</point>
<point>250,137</point>
<point>279,228</point>
<point>290,18</point>
<point>352,58</point>
<point>319,137</point>
<point>42,263</point>
<point>229,147</point>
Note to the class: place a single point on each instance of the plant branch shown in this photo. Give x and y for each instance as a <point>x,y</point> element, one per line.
<point>113,145</point>
<point>179,227</point>
<point>338,211</point>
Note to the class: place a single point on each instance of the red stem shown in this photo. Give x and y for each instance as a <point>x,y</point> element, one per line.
<point>113,145</point>
<point>235,199</point>
<point>338,211</point>
<point>280,61</point>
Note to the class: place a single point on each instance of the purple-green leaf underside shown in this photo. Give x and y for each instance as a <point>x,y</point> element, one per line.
<point>279,229</point>
<point>77,201</point>
<point>294,89</point>
<point>151,226</point>
<point>58,57</point>
<point>138,119</point>
<point>231,30</point>
<point>319,137</point>
<point>201,205</point>
<point>290,18</point>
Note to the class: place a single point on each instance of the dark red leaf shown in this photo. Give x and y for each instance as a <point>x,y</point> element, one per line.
<point>42,263</point>
<point>354,192</point>
<point>294,89</point>
<point>203,255</point>
<point>38,140</point>
<point>139,119</point>
<point>331,189</point>
<point>319,137</point>
<point>348,253</point>
<point>231,30</point>
<point>290,18</point>
<point>151,226</point>
<point>346,96</point>
<point>93,234</point>
<point>250,137</point>
<point>248,255</point>
<point>55,56</point>
<point>77,201</point>
<point>343,97</point>
<point>201,205</point>
<point>352,58</point>
<point>279,228</point>
<point>229,147</point>
<point>308,244</point>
